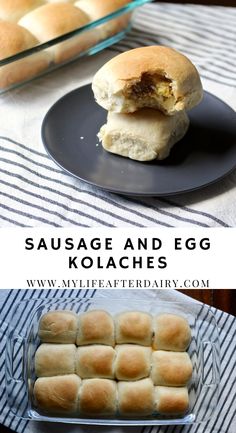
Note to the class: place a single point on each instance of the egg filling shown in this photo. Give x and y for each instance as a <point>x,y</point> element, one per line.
<point>153,91</point>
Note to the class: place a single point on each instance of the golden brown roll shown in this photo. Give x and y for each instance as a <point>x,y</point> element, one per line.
<point>95,327</point>
<point>171,368</point>
<point>171,401</point>
<point>13,40</point>
<point>134,327</point>
<point>132,362</point>
<point>55,19</point>
<point>98,397</point>
<point>60,1</point>
<point>95,361</point>
<point>136,398</point>
<point>55,359</point>
<point>155,77</point>
<point>171,332</point>
<point>96,9</point>
<point>13,10</point>
<point>144,135</point>
<point>57,394</point>
<point>58,327</point>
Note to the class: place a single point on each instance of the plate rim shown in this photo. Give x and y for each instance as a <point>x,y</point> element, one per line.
<point>114,190</point>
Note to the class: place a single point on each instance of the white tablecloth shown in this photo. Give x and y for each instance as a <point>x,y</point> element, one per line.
<point>34,191</point>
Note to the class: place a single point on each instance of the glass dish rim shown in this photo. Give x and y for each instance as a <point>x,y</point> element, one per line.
<point>92,25</point>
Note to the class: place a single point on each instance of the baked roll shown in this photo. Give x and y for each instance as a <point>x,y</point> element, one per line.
<point>96,9</point>
<point>95,327</point>
<point>171,368</point>
<point>58,327</point>
<point>171,401</point>
<point>133,362</point>
<point>155,77</point>
<point>58,395</point>
<point>13,40</point>
<point>55,19</point>
<point>95,361</point>
<point>60,1</point>
<point>144,135</point>
<point>171,332</point>
<point>55,359</point>
<point>98,397</point>
<point>134,327</point>
<point>136,398</point>
<point>13,10</point>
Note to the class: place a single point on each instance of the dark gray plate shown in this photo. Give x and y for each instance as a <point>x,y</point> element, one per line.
<point>206,154</point>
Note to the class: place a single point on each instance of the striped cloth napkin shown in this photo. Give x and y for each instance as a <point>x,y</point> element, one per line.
<point>35,192</point>
<point>222,422</point>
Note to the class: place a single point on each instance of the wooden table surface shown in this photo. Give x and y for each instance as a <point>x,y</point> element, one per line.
<point>222,299</point>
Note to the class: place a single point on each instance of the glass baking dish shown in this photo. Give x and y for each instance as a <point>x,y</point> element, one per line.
<point>22,342</point>
<point>31,63</point>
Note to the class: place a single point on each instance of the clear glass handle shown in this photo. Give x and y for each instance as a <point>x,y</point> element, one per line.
<point>209,368</point>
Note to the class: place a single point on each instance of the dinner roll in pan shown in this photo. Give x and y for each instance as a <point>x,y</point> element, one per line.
<point>95,361</point>
<point>155,77</point>
<point>13,10</point>
<point>95,326</point>
<point>132,362</point>
<point>60,1</point>
<point>58,327</point>
<point>171,401</point>
<point>171,368</point>
<point>55,359</point>
<point>55,19</point>
<point>171,332</point>
<point>96,9</point>
<point>134,327</point>
<point>98,397</point>
<point>136,398</point>
<point>13,40</point>
<point>58,394</point>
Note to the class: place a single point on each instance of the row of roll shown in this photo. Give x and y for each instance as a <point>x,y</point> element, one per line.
<point>69,395</point>
<point>126,362</point>
<point>162,332</point>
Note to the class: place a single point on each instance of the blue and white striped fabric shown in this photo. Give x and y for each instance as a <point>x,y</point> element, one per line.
<point>35,192</point>
<point>224,420</point>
